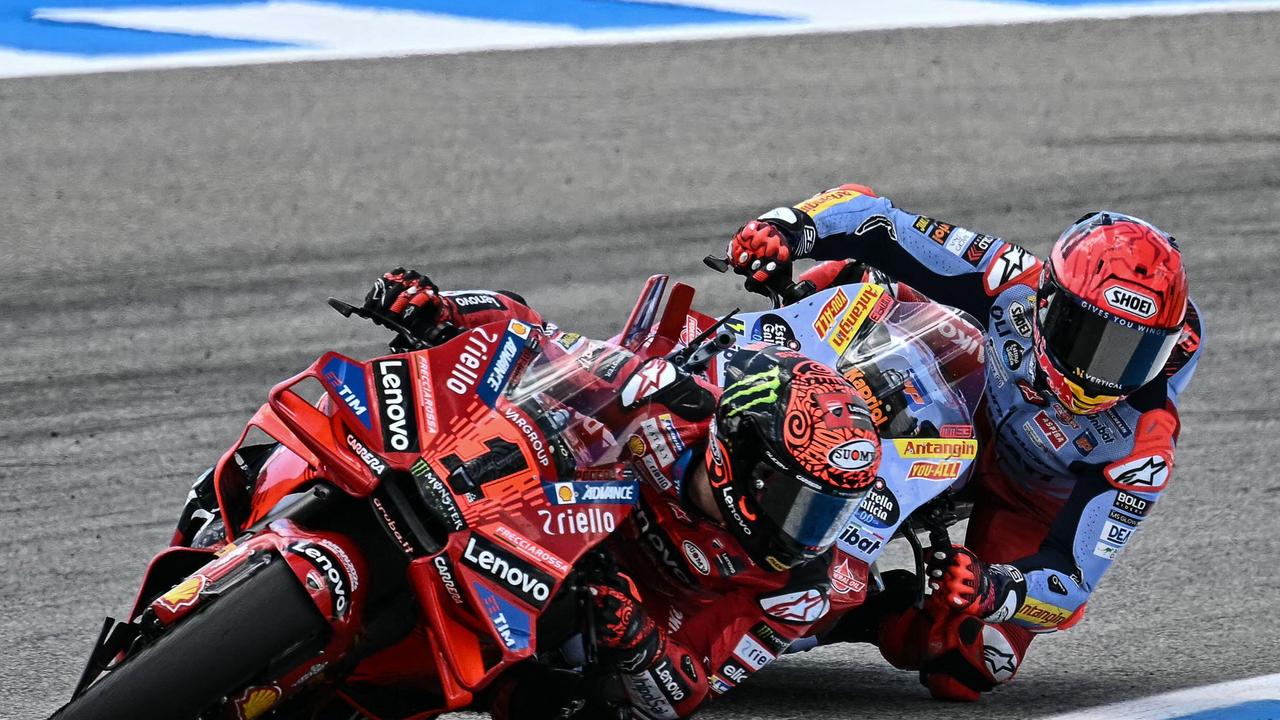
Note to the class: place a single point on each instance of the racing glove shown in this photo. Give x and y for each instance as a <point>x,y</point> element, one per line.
<point>626,636</point>
<point>411,298</point>
<point>962,583</point>
<point>771,242</point>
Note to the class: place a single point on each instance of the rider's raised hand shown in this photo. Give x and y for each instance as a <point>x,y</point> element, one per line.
<point>626,636</point>
<point>769,243</point>
<point>408,296</point>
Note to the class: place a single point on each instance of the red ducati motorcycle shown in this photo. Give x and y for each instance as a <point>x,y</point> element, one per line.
<point>390,535</point>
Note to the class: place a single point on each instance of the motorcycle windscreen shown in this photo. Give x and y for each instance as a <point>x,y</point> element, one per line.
<point>569,392</point>
<point>920,368</point>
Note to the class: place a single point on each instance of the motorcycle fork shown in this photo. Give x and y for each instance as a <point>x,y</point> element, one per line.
<point>934,517</point>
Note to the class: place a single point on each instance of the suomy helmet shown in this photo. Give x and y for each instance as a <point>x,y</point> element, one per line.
<point>1109,311</point>
<point>792,451</point>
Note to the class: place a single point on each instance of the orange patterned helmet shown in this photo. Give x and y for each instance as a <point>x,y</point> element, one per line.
<point>792,451</point>
<point>1109,311</point>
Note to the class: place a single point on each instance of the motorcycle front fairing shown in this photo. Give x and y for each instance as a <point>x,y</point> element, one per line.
<point>471,457</point>
<point>919,367</point>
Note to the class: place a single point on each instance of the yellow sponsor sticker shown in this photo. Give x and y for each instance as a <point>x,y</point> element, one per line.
<point>1041,613</point>
<point>926,470</point>
<point>257,701</point>
<point>829,312</point>
<point>184,594</point>
<point>936,449</point>
<point>823,201</point>
<point>858,312</point>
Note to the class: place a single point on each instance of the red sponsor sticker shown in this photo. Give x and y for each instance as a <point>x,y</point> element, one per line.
<point>1051,431</point>
<point>826,317</point>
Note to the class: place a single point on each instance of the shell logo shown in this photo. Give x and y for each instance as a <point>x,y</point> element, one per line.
<point>185,594</point>
<point>257,701</point>
<point>565,493</point>
<point>635,445</point>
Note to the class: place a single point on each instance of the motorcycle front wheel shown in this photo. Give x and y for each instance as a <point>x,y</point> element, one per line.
<point>207,656</point>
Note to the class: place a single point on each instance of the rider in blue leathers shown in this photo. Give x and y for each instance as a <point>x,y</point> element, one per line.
<point>1087,354</point>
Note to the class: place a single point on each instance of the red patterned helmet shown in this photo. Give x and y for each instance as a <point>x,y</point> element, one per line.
<point>792,451</point>
<point>1109,311</point>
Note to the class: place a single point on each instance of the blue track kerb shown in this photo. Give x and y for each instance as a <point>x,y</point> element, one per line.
<point>1253,710</point>
<point>1086,3</point>
<point>20,31</point>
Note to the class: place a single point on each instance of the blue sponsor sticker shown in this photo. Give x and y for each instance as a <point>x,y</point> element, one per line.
<point>879,508</point>
<point>914,392</point>
<point>347,380</point>
<point>503,363</point>
<point>614,492</point>
<point>512,624</point>
<point>672,432</point>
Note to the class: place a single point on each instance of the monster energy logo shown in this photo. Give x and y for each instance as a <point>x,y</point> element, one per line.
<point>763,385</point>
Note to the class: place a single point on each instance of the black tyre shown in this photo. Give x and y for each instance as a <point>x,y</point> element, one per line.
<point>205,657</point>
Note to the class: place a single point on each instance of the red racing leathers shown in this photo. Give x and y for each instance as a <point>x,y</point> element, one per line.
<point>721,616</point>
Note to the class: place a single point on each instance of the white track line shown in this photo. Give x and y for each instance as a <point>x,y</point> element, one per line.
<point>1184,702</point>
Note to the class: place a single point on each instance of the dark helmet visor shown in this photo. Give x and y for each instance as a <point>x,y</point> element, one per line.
<point>1100,352</point>
<point>809,517</point>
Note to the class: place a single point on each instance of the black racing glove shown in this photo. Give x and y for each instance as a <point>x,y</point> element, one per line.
<point>411,298</point>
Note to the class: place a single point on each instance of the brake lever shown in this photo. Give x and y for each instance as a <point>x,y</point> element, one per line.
<point>778,288</point>
<point>938,514</point>
<point>414,341</point>
<point>719,264</point>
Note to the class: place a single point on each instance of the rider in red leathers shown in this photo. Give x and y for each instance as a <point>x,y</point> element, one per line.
<point>726,557</point>
<point>1086,356</point>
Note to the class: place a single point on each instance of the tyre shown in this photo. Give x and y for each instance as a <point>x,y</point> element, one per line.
<point>212,653</point>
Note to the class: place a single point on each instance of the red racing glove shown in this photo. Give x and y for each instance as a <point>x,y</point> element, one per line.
<point>771,242</point>
<point>759,248</point>
<point>626,637</point>
<point>411,298</point>
<point>962,583</point>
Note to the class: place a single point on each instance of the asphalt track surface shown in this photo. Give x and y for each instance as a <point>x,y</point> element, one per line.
<point>167,240</point>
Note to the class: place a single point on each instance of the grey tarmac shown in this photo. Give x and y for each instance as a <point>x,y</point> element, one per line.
<point>167,240</point>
